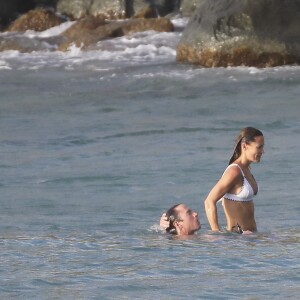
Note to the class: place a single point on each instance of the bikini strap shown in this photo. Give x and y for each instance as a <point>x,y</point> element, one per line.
<point>238,166</point>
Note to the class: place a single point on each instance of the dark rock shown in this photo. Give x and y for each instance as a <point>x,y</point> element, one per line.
<point>261,33</point>
<point>11,9</point>
<point>129,8</point>
<point>37,20</point>
<point>46,3</point>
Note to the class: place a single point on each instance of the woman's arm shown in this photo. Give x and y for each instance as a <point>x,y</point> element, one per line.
<point>224,185</point>
<point>211,211</point>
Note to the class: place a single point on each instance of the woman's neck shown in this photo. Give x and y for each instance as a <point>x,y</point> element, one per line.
<point>243,162</point>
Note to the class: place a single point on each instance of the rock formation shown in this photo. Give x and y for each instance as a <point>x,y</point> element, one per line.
<point>261,33</point>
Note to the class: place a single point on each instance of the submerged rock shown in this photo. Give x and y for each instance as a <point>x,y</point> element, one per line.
<point>37,20</point>
<point>261,33</point>
<point>82,32</point>
<point>91,30</point>
<point>24,44</point>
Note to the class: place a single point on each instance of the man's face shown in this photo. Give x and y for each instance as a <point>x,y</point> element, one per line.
<point>189,221</point>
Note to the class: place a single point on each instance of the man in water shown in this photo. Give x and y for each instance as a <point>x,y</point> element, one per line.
<point>180,220</point>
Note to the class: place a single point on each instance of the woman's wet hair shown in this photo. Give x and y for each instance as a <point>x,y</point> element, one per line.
<point>246,135</point>
<point>172,216</point>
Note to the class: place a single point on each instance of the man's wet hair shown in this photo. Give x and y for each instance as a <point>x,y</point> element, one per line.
<point>172,216</point>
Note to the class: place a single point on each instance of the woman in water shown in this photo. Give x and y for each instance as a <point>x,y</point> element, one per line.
<point>237,186</point>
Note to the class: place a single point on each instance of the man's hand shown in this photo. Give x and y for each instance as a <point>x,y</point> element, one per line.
<point>164,223</point>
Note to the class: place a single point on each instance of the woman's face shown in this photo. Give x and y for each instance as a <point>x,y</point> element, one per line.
<point>255,149</point>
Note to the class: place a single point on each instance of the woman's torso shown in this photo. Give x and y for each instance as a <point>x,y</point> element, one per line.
<point>238,202</point>
<point>241,213</point>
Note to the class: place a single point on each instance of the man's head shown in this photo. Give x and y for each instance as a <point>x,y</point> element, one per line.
<point>182,220</point>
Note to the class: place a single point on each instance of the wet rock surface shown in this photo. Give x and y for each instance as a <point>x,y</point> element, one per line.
<point>37,20</point>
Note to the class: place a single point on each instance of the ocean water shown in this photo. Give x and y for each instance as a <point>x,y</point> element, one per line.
<point>96,145</point>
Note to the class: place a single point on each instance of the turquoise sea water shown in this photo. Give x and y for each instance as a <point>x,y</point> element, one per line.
<point>96,145</point>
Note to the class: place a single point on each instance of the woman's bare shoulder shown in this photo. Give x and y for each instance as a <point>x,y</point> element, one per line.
<point>232,172</point>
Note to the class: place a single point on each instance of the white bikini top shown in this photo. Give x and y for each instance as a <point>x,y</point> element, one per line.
<point>246,193</point>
